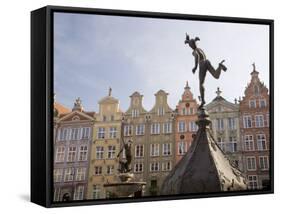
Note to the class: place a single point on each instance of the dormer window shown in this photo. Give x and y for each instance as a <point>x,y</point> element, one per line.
<point>184,111</point>
<point>135,113</point>
<point>252,103</point>
<point>262,103</point>
<point>256,90</point>
<point>161,111</point>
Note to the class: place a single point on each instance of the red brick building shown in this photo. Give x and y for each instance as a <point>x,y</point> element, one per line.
<point>185,125</point>
<point>254,124</point>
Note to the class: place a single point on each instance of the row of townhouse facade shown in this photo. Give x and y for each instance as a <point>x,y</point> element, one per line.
<point>86,144</point>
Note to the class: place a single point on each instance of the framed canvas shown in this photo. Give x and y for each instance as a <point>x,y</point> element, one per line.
<point>131,106</point>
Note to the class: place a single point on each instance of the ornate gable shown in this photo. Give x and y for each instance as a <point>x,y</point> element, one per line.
<point>76,116</point>
<point>136,103</point>
<point>220,104</point>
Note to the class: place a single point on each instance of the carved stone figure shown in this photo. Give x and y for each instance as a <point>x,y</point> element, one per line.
<point>204,66</point>
<point>125,166</point>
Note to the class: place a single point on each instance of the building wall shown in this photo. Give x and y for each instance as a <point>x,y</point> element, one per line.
<point>225,128</point>
<point>186,113</point>
<point>73,131</point>
<point>154,163</point>
<point>254,123</point>
<point>136,129</point>
<point>160,114</point>
<point>108,117</point>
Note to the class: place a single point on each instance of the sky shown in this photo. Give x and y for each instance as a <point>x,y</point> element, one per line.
<point>128,54</point>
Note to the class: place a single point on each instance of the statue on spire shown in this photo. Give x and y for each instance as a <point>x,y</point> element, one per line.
<point>109,91</point>
<point>204,66</point>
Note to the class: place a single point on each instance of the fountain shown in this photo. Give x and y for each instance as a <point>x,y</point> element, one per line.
<point>127,186</point>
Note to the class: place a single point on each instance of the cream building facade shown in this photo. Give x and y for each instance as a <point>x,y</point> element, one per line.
<point>226,127</point>
<point>161,155</point>
<point>153,139</point>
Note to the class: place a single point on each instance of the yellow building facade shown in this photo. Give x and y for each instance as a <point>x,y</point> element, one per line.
<point>105,147</point>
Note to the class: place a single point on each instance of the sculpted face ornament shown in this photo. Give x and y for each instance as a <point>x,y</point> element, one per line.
<point>204,66</point>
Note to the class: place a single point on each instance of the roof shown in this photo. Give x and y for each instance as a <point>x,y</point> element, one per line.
<point>61,109</point>
<point>204,168</point>
<point>219,98</point>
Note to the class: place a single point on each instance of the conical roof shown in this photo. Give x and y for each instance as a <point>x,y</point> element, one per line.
<point>204,168</point>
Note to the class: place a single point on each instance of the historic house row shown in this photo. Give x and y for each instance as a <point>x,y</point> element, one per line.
<point>86,144</point>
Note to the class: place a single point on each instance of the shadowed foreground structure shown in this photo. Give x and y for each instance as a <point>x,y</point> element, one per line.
<point>204,168</point>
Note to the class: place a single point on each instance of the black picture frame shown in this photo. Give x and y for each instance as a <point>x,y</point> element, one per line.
<point>42,102</point>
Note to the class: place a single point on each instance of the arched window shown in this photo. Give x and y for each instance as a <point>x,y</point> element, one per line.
<point>256,90</point>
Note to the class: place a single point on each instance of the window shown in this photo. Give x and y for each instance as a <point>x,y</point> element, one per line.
<point>58,175</point>
<point>232,144</point>
<point>80,174</point>
<point>57,194</point>
<point>263,162</point>
<point>154,149</point>
<point>155,128</point>
<point>60,154</point>
<point>83,152</point>
<point>63,134</point>
<point>112,132</point>
<point>193,126</point>
<point>96,191</point>
<point>139,150</point>
<point>98,170</point>
<point>221,144</point>
<point>252,181</point>
<point>74,134</point>
<point>259,121</point>
<point>104,118</point>
<point>128,130</point>
<point>110,169</point>
<point>101,133</point>
<point>182,147</point>
<point>135,113</point>
<point>99,152</point>
<point>138,167</point>
<point>256,90</point>
<point>251,163</point>
<point>181,126</point>
<point>85,132</point>
<point>112,117</point>
<point>247,121</point>
<point>191,110</point>
<point>140,129</point>
<point>262,103</point>
<point>220,124</point>
<point>267,119</point>
<point>252,104</point>
<point>166,149</point>
<point>231,123</point>
<point>166,166</point>
<point>236,162</point>
<point>167,127</point>
<point>249,143</point>
<point>68,174</point>
<point>111,152</point>
<point>71,154</point>
<point>261,142</point>
<point>78,193</point>
<point>184,111</point>
<point>160,111</point>
<point>154,167</point>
